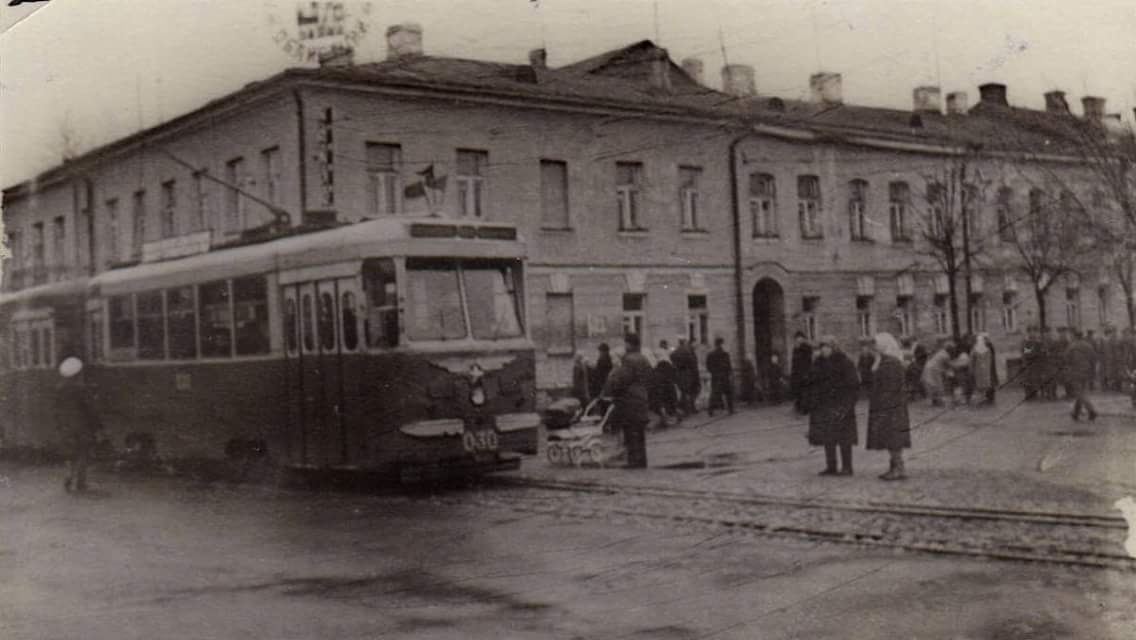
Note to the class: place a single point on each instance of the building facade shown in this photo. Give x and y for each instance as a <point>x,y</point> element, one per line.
<point>650,203</point>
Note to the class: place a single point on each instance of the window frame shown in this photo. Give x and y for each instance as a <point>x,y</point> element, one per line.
<point>384,179</point>
<point>169,209</point>
<point>858,210</point>
<point>472,187</point>
<point>763,205</point>
<point>629,196</point>
<point>810,316</point>
<point>810,207</point>
<point>138,223</point>
<point>689,195</point>
<point>636,319</point>
<point>899,209</point>
<point>698,319</point>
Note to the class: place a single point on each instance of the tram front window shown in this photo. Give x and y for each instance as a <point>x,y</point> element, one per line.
<point>434,297</point>
<point>491,289</point>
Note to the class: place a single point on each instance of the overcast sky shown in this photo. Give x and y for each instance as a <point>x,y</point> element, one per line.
<point>102,69</point>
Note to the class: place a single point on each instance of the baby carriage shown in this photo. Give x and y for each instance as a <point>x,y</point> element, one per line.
<point>588,440</point>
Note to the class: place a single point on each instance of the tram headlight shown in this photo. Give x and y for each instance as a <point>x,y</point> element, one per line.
<point>477,396</point>
<point>477,389</point>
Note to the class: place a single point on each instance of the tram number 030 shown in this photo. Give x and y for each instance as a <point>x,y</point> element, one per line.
<point>485,440</point>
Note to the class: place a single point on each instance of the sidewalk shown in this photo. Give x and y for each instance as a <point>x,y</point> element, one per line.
<point>1015,455</point>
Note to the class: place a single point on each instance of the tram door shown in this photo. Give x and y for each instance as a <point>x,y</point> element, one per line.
<point>322,326</point>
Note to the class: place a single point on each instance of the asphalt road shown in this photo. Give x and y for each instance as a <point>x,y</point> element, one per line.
<point>170,558</point>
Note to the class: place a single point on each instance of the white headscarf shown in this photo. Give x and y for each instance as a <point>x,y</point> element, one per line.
<point>887,345</point>
<point>982,344</point>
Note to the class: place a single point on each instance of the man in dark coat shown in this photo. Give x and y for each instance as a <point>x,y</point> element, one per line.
<point>1049,363</point>
<point>1079,359</point>
<point>1061,365</point>
<point>598,375</point>
<point>721,378</point>
<point>77,421</point>
<point>628,387</point>
<point>801,363</point>
<point>686,368</point>
<point>1110,372</point>
<point>1032,374</point>
<point>830,397</point>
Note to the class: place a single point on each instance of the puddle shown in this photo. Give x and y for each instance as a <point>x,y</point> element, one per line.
<point>712,461</point>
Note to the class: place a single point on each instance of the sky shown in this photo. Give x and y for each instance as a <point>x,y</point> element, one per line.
<point>79,73</point>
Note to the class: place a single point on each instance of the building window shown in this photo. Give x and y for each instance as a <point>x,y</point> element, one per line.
<point>59,242</point>
<point>697,319</point>
<point>865,319</point>
<point>181,323</point>
<point>971,204</point>
<point>905,313</point>
<point>763,205</point>
<point>112,231</point>
<point>472,169</point>
<point>151,326</point>
<point>808,206</point>
<point>634,312</point>
<point>215,315</point>
<point>559,328</point>
<point>858,209</point>
<point>628,184</point>
<point>348,321</point>
<point>899,202</point>
<point>201,200</point>
<point>39,248</point>
<point>1009,311</point>
<point>234,204</point>
<point>936,200</point>
<point>138,228</point>
<point>1102,305</point>
<point>15,252</point>
<point>169,209</point>
<point>1073,307</point>
<point>384,164</point>
<point>270,174</point>
<point>380,285</point>
<point>810,306</point>
<point>977,313</point>
<point>940,315</point>
<point>688,197</point>
<point>554,195</point>
<point>1005,214</point>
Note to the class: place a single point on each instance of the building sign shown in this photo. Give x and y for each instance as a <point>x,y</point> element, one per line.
<point>311,32</point>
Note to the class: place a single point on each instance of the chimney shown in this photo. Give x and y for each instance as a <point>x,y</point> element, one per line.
<point>661,71</point>
<point>1093,108</point>
<point>693,68</point>
<point>1055,102</point>
<point>826,87</point>
<point>737,80</point>
<point>957,103</point>
<point>926,99</point>
<point>538,59</point>
<point>404,41</point>
<point>993,93</point>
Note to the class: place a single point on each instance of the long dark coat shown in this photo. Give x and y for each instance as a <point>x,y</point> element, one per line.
<point>686,369</point>
<point>75,415</point>
<point>830,399</point>
<point>598,375</point>
<point>629,387</point>
<point>800,365</point>
<point>889,426</point>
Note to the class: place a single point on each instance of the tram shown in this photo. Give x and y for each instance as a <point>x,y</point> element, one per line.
<point>392,345</point>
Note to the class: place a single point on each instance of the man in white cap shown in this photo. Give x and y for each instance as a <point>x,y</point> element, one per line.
<point>77,421</point>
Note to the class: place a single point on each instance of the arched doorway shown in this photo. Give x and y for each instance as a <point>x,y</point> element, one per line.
<point>768,327</point>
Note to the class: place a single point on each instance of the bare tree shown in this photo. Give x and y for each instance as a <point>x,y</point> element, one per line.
<point>948,217</point>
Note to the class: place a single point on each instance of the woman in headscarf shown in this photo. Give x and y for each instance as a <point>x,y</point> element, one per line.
<point>889,427</point>
<point>830,392</point>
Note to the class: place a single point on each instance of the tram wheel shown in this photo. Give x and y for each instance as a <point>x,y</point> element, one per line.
<point>575,454</point>
<point>555,454</point>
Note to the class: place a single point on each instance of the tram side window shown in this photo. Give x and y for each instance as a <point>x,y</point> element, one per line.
<point>434,300</point>
<point>47,344</point>
<point>326,321</point>
<point>181,323</point>
<point>122,323</point>
<point>35,348</point>
<point>95,335</point>
<point>380,284</point>
<point>350,321</point>
<point>309,333</point>
<point>491,292</point>
<point>216,316</point>
<point>250,297</point>
<point>290,326</point>
<point>151,326</point>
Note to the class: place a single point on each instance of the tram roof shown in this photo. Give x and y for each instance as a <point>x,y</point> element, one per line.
<point>403,236</point>
<point>44,292</point>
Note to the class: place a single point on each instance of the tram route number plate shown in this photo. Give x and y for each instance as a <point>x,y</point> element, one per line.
<point>483,440</point>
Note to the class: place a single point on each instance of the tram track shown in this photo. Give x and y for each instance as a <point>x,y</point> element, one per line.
<point>1077,539</point>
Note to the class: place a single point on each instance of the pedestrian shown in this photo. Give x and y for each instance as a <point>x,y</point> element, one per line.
<point>982,369</point>
<point>1095,342</point>
<point>747,387</point>
<point>1110,361</point>
<point>776,380</point>
<point>801,361</point>
<point>936,373</point>
<point>830,398</point>
<point>77,421</point>
<point>721,379</point>
<point>864,366</point>
<point>960,371</point>
<point>1049,362</point>
<point>889,426</point>
<point>599,373</point>
<point>1032,374</point>
<point>689,382</point>
<point>664,393</point>
<point>1078,360</point>
<point>1061,364</point>
<point>581,389</point>
<point>914,371</point>
<point>627,386</point>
